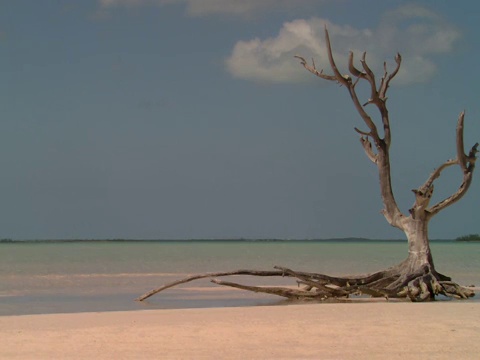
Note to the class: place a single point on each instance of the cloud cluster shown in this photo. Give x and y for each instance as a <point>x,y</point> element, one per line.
<point>414,31</point>
<point>418,33</point>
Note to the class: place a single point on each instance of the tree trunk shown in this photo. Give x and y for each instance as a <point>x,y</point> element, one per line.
<point>419,254</point>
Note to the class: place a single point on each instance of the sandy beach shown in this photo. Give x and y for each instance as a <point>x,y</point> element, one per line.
<point>440,330</point>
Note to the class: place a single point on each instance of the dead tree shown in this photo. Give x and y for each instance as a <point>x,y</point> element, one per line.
<point>415,278</point>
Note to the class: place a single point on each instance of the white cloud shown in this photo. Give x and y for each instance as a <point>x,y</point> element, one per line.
<point>209,7</point>
<point>416,32</point>
<point>240,7</point>
<point>272,59</point>
<point>112,3</point>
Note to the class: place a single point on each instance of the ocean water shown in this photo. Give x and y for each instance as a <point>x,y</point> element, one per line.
<point>53,277</point>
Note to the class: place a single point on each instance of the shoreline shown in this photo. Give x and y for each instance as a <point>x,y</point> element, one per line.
<point>182,298</point>
<point>367,330</point>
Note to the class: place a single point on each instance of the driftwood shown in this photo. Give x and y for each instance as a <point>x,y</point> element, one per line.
<point>415,278</point>
<point>390,283</point>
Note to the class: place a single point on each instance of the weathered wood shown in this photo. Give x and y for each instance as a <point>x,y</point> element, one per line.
<point>414,278</point>
<point>397,282</point>
<point>208,275</point>
<point>274,290</point>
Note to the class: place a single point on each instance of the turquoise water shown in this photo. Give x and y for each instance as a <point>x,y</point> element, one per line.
<point>44,277</point>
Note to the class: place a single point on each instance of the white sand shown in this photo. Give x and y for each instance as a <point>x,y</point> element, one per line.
<point>440,330</point>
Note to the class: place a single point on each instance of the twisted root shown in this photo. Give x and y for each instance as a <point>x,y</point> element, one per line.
<point>399,281</point>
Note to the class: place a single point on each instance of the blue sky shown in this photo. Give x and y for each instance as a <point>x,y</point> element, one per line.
<point>191,119</point>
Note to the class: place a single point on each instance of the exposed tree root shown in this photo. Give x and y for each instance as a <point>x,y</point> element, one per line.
<point>400,281</point>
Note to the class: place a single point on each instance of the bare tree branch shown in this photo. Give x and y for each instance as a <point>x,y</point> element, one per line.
<point>381,158</point>
<point>353,70</point>
<point>385,84</point>
<point>209,275</point>
<point>314,71</point>
<point>347,82</point>
<point>364,133</point>
<point>461,157</point>
<point>370,77</point>
<point>466,163</point>
<point>289,293</point>
<point>436,174</point>
<point>367,146</point>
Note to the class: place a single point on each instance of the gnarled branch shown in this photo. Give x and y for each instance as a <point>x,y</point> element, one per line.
<point>387,78</point>
<point>367,146</point>
<point>461,157</point>
<point>466,163</point>
<point>347,82</point>
<point>209,275</point>
<point>353,70</point>
<point>381,158</point>
<point>314,70</point>
<point>370,77</point>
